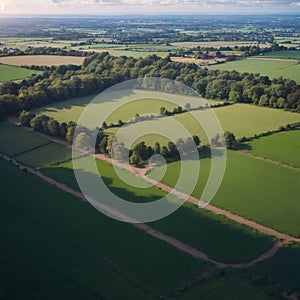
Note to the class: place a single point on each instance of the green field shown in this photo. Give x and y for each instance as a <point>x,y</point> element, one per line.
<point>16,140</point>
<point>70,251</point>
<point>239,244</point>
<point>241,119</point>
<point>13,73</point>
<point>258,190</point>
<point>45,155</point>
<point>282,146</point>
<point>140,102</point>
<point>293,54</point>
<point>271,68</point>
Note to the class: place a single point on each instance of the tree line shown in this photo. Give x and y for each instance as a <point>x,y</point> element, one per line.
<point>101,71</point>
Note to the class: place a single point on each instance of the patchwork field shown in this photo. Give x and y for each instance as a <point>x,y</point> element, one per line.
<point>255,189</point>
<point>271,68</point>
<point>41,60</point>
<point>283,147</point>
<point>13,73</point>
<point>216,44</point>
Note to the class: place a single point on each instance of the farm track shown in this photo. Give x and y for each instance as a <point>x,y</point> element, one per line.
<point>146,228</point>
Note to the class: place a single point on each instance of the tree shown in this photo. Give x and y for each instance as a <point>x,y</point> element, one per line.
<point>173,151</point>
<point>25,117</point>
<point>164,151</point>
<point>230,140</point>
<point>157,148</point>
<point>197,140</point>
<point>163,111</point>
<point>70,134</point>
<point>104,125</point>
<point>110,141</point>
<point>54,128</point>
<point>187,106</point>
<point>83,141</point>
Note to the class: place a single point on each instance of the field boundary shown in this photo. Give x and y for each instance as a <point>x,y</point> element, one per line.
<point>146,228</point>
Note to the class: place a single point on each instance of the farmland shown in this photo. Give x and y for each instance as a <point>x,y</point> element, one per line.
<point>69,247</point>
<point>14,73</point>
<point>250,119</point>
<point>266,193</point>
<point>290,54</point>
<point>41,60</point>
<point>187,216</point>
<point>271,68</point>
<point>282,147</point>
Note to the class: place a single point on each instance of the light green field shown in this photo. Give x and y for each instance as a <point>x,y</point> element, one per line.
<point>16,140</point>
<point>241,119</point>
<point>271,68</point>
<point>13,73</point>
<point>116,107</point>
<point>294,54</point>
<point>283,147</point>
<point>258,190</point>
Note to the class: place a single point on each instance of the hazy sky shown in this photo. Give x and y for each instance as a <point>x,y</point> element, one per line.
<point>148,6</point>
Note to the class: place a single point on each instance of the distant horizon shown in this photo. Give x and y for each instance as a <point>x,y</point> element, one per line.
<point>149,7</point>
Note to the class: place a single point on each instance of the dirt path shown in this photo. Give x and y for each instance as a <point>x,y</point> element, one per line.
<point>275,162</point>
<point>146,228</point>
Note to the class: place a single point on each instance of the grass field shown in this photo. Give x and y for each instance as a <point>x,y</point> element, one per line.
<point>46,155</point>
<point>45,60</point>
<point>283,147</point>
<point>13,73</point>
<point>131,53</point>
<point>273,69</point>
<point>293,54</point>
<point>141,103</point>
<point>241,119</point>
<point>16,140</point>
<point>79,252</point>
<point>258,190</point>
<point>238,243</point>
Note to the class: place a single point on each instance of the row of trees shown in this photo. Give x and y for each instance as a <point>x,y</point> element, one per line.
<point>100,71</point>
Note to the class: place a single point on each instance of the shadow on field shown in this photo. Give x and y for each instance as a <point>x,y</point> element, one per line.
<point>67,177</point>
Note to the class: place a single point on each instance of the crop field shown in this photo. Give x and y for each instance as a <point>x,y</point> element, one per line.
<point>283,147</point>
<point>239,244</point>
<point>271,68</point>
<point>16,140</point>
<point>68,241</point>
<point>255,189</point>
<point>13,73</point>
<point>41,60</point>
<point>293,54</point>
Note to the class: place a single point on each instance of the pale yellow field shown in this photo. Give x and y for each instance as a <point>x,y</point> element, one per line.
<point>46,60</point>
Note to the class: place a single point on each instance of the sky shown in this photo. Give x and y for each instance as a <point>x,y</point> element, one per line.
<point>104,7</point>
